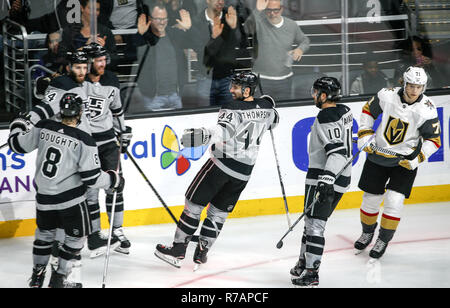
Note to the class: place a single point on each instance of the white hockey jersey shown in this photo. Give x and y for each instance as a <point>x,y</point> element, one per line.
<point>402,125</point>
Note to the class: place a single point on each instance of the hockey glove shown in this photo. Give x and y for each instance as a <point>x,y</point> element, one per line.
<point>22,122</point>
<point>363,137</point>
<point>125,138</point>
<point>117,181</point>
<point>194,137</point>
<point>412,164</point>
<point>325,189</point>
<point>42,84</point>
<point>276,119</point>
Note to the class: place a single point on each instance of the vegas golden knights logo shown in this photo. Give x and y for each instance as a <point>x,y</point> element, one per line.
<point>395,131</point>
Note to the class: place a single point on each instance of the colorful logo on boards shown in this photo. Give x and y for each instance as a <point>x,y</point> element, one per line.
<point>169,141</point>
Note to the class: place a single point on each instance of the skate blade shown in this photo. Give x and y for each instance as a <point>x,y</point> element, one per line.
<point>358,251</point>
<point>373,261</point>
<point>306,287</point>
<point>125,251</point>
<point>102,250</point>
<point>196,267</point>
<point>172,261</point>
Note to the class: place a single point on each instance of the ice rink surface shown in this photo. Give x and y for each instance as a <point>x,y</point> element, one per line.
<point>245,256</point>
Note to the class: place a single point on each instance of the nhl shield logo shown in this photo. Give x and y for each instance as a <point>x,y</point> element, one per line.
<point>96,105</point>
<point>395,131</point>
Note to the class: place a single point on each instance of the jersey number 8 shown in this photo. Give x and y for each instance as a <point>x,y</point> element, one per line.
<point>50,165</point>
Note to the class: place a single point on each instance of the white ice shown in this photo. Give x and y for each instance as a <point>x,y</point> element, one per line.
<point>245,255</point>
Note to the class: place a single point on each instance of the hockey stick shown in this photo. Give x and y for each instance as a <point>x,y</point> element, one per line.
<point>3,145</point>
<point>389,153</point>
<point>283,192</point>
<point>280,242</point>
<point>194,237</point>
<point>281,180</point>
<point>111,222</point>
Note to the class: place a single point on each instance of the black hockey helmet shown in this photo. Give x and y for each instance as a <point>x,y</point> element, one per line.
<point>95,50</point>
<point>328,85</point>
<point>70,105</point>
<point>246,80</point>
<point>78,56</point>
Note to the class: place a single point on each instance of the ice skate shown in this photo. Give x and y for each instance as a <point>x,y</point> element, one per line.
<point>58,280</point>
<point>98,242</point>
<point>308,279</point>
<point>38,276</point>
<point>172,254</point>
<point>125,244</point>
<point>378,249</point>
<point>298,269</point>
<point>200,255</point>
<point>364,240</point>
<point>75,273</point>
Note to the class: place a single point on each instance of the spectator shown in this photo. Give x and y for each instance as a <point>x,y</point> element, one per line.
<point>77,35</point>
<point>417,52</point>
<point>173,8</point>
<point>371,80</point>
<point>52,59</point>
<point>273,54</point>
<point>164,69</point>
<point>122,15</point>
<point>215,38</point>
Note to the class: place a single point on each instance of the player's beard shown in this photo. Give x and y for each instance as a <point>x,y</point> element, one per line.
<point>77,78</point>
<point>236,96</point>
<point>98,72</point>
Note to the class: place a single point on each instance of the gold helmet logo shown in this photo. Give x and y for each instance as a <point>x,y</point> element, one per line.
<point>395,131</point>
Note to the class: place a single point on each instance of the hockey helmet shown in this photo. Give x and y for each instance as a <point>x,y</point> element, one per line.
<point>78,56</point>
<point>246,80</point>
<point>95,50</point>
<point>70,105</point>
<point>415,75</point>
<point>328,85</point>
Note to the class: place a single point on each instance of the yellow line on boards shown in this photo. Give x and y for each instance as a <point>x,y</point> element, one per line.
<point>244,208</point>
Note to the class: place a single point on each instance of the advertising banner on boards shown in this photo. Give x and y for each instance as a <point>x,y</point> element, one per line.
<point>171,168</point>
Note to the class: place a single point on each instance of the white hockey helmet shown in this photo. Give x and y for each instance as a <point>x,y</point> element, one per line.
<point>415,75</point>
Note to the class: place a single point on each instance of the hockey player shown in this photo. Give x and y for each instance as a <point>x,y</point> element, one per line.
<point>330,148</point>
<point>106,121</point>
<point>67,161</point>
<point>407,115</point>
<point>235,144</point>
<point>73,81</point>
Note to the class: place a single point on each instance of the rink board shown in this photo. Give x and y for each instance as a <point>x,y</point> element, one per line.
<point>170,169</point>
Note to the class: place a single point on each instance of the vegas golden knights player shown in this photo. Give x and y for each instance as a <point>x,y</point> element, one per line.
<point>407,115</point>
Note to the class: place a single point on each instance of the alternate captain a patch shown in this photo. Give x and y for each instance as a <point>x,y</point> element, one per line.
<point>395,131</point>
